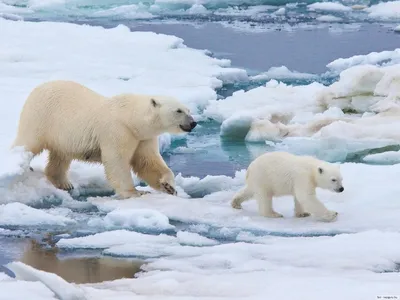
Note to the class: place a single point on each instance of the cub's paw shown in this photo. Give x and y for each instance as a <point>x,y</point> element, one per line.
<point>329,216</point>
<point>273,214</point>
<point>169,189</point>
<point>303,215</point>
<point>236,205</point>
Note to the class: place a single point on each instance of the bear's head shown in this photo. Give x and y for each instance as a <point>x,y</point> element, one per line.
<point>173,116</point>
<point>329,177</point>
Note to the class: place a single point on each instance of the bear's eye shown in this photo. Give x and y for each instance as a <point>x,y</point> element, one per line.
<point>333,180</point>
<point>179,111</point>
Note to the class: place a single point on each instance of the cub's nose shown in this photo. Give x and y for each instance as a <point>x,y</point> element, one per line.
<point>193,124</point>
<point>341,189</point>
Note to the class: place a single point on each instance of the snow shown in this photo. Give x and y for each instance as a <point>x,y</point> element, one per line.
<point>18,214</point>
<point>17,290</point>
<point>329,6</point>
<point>194,239</point>
<point>283,72</point>
<point>329,18</point>
<point>131,11</point>
<point>280,11</point>
<point>372,58</point>
<point>112,238</point>
<point>138,218</point>
<point>129,243</point>
<point>62,289</point>
<point>40,4</point>
<point>263,101</point>
<point>277,112</point>
<point>384,10</point>
<point>249,270</point>
<point>389,157</point>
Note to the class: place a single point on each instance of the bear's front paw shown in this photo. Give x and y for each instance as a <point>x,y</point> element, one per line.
<point>65,185</point>
<point>303,215</point>
<point>329,216</point>
<point>169,189</point>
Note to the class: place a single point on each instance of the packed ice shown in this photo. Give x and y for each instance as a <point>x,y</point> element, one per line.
<point>230,13</point>
<point>361,107</point>
<point>385,10</point>
<point>328,6</point>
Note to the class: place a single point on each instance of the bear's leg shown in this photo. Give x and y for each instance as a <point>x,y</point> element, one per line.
<point>243,195</point>
<point>118,173</point>
<point>57,169</point>
<point>299,210</point>
<point>264,200</point>
<point>149,165</point>
<point>311,203</point>
<point>115,158</point>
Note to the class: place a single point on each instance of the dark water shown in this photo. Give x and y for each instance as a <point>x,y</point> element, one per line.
<point>304,50</point>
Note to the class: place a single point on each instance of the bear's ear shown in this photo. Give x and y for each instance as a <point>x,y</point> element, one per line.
<point>320,170</point>
<point>154,102</point>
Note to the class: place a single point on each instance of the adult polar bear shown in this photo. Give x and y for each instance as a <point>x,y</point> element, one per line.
<point>72,121</point>
<point>281,173</point>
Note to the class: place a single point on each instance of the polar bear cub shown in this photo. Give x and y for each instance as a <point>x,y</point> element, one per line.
<point>278,174</point>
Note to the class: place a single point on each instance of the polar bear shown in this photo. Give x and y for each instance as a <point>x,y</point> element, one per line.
<point>281,173</point>
<point>72,121</point>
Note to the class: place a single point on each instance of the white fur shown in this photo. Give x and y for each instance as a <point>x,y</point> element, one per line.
<point>278,174</point>
<point>74,122</point>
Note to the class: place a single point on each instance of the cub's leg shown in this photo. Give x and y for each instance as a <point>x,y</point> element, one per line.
<point>241,196</point>
<point>264,200</point>
<point>299,210</point>
<point>307,198</point>
<point>57,169</point>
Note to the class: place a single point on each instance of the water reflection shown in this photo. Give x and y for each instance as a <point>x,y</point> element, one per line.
<point>79,269</point>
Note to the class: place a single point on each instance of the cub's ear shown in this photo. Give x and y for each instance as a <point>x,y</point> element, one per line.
<point>154,102</point>
<point>320,170</point>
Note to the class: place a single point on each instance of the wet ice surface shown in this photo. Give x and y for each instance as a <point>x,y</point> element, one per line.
<point>195,245</point>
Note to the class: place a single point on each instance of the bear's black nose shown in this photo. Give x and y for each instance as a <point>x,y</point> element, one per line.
<point>341,189</point>
<point>193,124</point>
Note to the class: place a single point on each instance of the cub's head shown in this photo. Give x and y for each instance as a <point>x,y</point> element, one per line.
<point>328,177</point>
<point>173,116</point>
